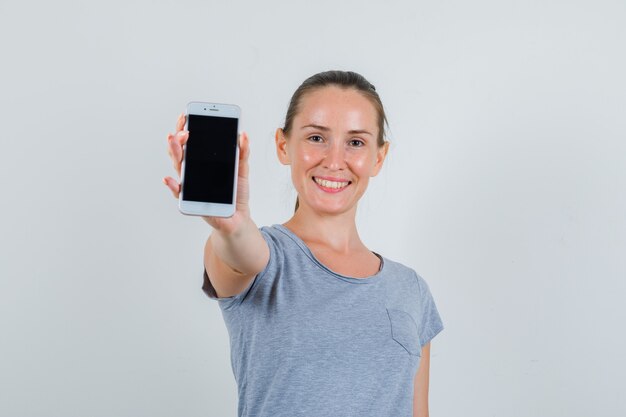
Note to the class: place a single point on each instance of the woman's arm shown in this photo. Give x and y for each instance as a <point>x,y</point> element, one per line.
<point>234,258</point>
<point>236,251</point>
<point>420,384</point>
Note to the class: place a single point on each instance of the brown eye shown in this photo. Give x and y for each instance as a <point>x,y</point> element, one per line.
<point>356,143</point>
<point>316,138</point>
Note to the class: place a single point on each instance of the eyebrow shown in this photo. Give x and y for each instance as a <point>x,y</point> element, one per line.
<point>326,129</point>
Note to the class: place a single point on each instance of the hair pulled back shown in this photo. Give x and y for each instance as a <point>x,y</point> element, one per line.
<point>342,79</point>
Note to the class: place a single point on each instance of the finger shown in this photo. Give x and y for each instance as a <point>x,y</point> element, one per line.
<point>244,146</point>
<point>175,148</point>
<point>182,137</point>
<point>180,123</point>
<point>244,153</point>
<point>172,185</point>
<point>179,138</point>
<point>170,137</point>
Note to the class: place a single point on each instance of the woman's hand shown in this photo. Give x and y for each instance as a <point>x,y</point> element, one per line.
<point>225,225</point>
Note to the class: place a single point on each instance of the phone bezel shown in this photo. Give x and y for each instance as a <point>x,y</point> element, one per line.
<point>200,208</point>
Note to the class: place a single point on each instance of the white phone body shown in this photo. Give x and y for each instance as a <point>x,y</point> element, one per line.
<point>210,160</point>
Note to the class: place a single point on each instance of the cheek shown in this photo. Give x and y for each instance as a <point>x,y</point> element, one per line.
<point>301,162</point>
<point>363,163</point>
<point>306,157</point>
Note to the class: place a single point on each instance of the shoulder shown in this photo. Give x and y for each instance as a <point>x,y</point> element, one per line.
<point>283,238</point>
<point>276,232</point>
<point>409,292</point>
<point>284,246</point>
<point>400,271</point>
<point>404,271</point>
<point>405,279</point>
<point>277,236</point>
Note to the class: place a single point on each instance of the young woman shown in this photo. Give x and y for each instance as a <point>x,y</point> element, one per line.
<point>319,325</point>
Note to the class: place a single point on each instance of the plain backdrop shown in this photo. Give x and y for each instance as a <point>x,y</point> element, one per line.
<point>504,189</point>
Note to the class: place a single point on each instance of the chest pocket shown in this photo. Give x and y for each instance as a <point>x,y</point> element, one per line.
<point>404,331</point>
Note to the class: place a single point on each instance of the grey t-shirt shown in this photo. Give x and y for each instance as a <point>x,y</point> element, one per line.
<point>306,341</point>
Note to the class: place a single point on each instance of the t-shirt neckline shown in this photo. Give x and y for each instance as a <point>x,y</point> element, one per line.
<point>365,280</point>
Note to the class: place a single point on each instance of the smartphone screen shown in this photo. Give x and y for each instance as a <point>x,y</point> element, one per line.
<point>210,159</point>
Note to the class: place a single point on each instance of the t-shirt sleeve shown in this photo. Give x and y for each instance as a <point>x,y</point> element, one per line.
<point>430,323</point>
<point>232,301</point>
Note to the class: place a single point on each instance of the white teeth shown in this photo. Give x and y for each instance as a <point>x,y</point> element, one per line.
<point>331,184</point>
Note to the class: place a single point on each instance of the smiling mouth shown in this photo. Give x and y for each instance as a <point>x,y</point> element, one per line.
<point>333,185</point>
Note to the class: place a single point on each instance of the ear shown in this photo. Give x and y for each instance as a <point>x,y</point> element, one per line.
<point>281,147</point>
<point>381,154</point>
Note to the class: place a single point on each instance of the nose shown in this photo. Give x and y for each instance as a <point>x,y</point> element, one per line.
<point>334,159</point>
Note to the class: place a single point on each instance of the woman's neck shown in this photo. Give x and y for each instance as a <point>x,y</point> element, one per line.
<point>337,232</point>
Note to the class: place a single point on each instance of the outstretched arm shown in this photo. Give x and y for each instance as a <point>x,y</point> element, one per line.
<point>236,251</point>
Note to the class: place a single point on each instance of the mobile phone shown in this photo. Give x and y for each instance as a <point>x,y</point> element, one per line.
<point>210,160</point>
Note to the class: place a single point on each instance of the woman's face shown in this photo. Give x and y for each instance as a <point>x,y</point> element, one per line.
<point>332,149</point>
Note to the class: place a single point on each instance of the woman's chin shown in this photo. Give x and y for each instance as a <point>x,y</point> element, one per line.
<point>329,206</point>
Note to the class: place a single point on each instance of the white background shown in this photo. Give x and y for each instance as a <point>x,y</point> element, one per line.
<point>504,189</point>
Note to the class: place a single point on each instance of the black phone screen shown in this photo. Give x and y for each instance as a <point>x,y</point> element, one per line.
<point>210,159</point>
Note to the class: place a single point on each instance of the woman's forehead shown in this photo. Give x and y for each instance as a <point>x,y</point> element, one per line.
<point>336,107</point>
